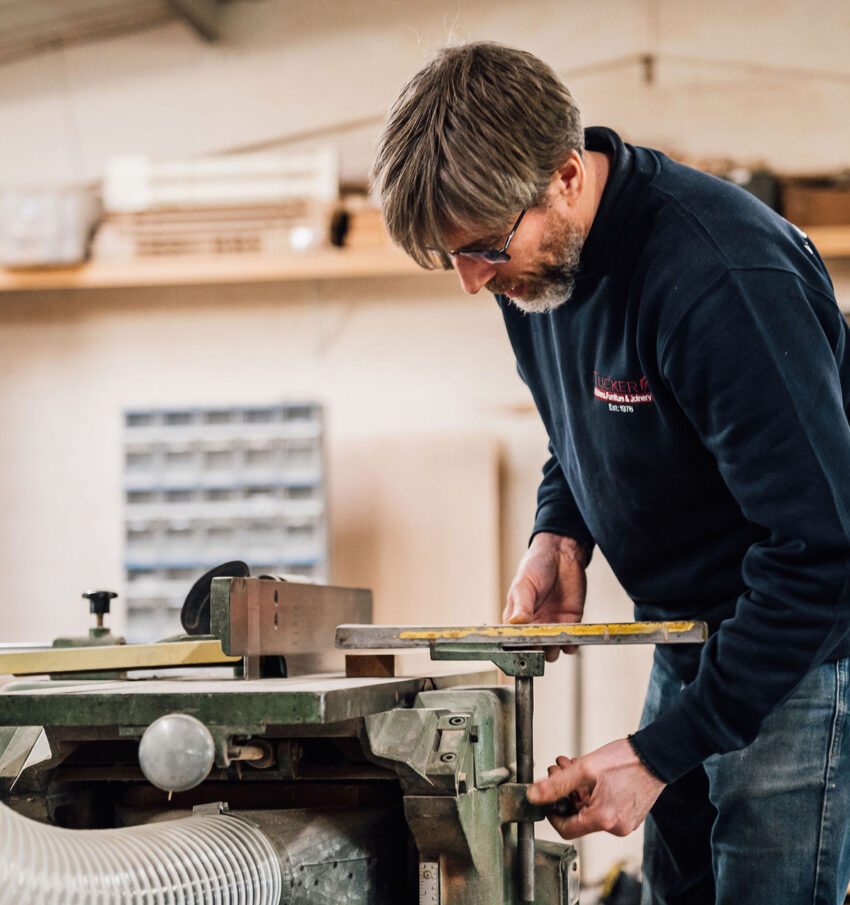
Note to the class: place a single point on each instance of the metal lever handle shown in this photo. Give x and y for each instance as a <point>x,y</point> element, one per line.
<point>563,807</point>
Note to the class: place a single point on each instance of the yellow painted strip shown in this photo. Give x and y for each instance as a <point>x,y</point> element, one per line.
<point>578,630</point>
<point>114,656</point>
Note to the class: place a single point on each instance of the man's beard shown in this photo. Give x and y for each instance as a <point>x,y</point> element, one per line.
<point>553,283</point>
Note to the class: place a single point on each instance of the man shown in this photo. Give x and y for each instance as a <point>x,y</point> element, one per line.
<point>686,354</point>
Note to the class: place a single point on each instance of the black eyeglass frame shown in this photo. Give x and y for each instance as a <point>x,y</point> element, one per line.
<point>492,255</point>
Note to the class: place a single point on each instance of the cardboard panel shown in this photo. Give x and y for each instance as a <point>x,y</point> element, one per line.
<point>415,518</point>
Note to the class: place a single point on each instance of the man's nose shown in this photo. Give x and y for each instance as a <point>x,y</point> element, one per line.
<point>474,273</point>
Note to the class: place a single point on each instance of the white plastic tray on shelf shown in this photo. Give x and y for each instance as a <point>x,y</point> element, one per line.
<point>303,475</point>
<point>141,456</point>
<point>164,504</point>
<point>134,182</point>
<point>180,459</point>
<point>302,499</point>
<point>258,500</point>
<point>220,504</point>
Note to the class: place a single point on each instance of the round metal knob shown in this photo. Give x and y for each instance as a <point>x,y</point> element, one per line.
<point>176,752</point>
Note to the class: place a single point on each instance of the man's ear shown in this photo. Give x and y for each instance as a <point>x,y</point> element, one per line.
<point>570,178</point>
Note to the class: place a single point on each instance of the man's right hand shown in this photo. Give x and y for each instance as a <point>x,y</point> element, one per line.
<point>550,584</point>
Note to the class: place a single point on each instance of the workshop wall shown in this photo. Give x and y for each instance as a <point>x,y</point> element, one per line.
<point>759,82</point>
<point>401,365</point>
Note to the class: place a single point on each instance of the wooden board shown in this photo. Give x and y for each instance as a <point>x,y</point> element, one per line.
<point>116,656</point>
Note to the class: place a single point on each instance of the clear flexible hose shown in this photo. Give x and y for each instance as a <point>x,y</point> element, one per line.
<point>204,860</point>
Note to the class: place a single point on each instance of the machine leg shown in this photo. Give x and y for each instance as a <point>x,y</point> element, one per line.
<point>525,774</point>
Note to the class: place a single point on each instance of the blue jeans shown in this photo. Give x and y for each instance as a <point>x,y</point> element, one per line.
<point>766,825</point>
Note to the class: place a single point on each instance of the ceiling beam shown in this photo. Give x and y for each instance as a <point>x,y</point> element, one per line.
<point>204,16</point>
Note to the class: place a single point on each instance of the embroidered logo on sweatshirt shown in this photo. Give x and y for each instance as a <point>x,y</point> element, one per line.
<point>621,395</point>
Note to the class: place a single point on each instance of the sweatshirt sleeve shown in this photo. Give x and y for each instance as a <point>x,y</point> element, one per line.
<point>755,366</point>
<point>557,512</point>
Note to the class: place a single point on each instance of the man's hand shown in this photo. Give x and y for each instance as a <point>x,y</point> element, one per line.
<point>550,584</point>
<point>611,788</point>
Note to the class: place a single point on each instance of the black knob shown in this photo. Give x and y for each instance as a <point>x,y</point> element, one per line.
<point>99,601</point>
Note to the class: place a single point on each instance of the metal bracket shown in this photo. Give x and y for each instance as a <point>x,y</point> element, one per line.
<point>517,663</point>
<point>523,665</point>
<point>256,617</point>
<point>211,809</point>
<point>514,806</point>
<point>514,650</point>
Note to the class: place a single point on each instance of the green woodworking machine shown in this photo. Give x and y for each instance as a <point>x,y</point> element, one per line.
<point>265,758</point>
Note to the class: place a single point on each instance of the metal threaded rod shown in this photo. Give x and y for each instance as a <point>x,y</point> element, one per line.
<point>524,704</point>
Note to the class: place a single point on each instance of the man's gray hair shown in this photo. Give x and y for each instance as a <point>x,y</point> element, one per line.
<point>474,137</point>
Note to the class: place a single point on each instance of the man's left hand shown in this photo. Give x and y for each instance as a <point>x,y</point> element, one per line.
<point>611,788</point>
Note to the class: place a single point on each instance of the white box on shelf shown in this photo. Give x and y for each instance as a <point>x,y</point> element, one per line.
<point>135,183</point>
<point>44,228</point>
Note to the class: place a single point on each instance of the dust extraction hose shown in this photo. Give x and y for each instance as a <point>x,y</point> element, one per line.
<point>215,859</point>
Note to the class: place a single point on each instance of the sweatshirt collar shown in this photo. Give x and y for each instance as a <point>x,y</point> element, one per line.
<point>617,199</point>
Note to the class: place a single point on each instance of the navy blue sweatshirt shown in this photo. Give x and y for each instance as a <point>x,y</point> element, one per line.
<point>695,390</point>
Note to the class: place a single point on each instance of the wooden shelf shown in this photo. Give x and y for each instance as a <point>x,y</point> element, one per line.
<point>324,264</point>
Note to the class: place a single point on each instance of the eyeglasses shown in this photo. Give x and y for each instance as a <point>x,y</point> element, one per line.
<point>492,255</point>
